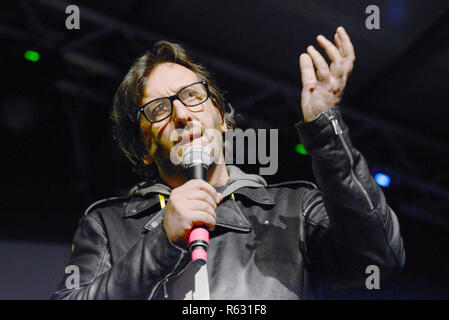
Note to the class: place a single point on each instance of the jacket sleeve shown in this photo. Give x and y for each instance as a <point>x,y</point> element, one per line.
<point>349,225</point>
<point>136,275</point>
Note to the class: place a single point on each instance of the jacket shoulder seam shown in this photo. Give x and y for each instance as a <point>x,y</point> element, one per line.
<point>103,203</point>
<point>294,182</point>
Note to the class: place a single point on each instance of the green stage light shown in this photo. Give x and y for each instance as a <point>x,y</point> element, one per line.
<point>32,55</point>
<point>300,149</point>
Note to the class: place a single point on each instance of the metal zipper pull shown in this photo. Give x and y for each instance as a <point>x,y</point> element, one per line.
<point>165,288</point>
<point>165,280</point>
<point>336,125</point>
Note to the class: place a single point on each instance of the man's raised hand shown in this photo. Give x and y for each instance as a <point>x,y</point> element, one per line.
<point>323,88</point>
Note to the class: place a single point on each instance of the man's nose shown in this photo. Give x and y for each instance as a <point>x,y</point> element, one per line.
<point>181,114</point>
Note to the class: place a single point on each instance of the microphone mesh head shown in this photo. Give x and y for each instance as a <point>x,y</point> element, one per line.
<point>197,154</point>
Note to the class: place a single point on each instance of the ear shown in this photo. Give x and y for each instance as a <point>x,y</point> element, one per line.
<point>147,159</point>
<point>223,126</point>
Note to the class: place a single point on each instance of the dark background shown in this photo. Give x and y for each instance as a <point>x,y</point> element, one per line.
<point>58,155</point>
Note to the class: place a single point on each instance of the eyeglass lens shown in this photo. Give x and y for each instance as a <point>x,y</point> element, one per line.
<point>190,96</point>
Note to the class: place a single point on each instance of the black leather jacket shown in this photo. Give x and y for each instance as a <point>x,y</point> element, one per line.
<point>272,242</point>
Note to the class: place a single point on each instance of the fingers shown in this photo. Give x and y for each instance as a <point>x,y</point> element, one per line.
<point>202,203</point>
<point>334,54</point>
<point>203,185</point>
<point>200,218</point>
<point>323,71</point>
<point>308,77</point>
<point>339,44</point>
<point>341,56</point>
<point>332,51</point>
<point>346,44</point>
<point>203,196</point>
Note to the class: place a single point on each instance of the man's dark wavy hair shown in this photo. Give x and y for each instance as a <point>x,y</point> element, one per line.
<point>128,98</point>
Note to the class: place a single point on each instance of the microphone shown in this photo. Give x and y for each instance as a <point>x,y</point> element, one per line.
<point>196,161</point>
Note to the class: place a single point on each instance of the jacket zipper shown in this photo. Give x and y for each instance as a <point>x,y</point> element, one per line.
<point>165,280</point>
<point>165,288</point>
<point>339,132</point>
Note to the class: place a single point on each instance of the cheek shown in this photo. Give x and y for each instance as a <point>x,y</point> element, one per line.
<point>156,137</point>
<point>145,129</point>
<point>149,133</point>
<point>216,119</point>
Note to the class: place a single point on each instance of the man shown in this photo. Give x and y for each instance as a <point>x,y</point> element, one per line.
<point>266,242</point>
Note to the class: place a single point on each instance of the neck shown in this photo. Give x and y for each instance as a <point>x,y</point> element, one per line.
<point>218,175</point>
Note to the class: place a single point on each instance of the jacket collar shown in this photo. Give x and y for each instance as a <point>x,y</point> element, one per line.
<point>145,196</point>
<point>258,195</point>
<point>229,213</point>
<point>138,205</point>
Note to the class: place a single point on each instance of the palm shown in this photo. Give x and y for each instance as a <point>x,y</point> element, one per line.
<point>323,88</point>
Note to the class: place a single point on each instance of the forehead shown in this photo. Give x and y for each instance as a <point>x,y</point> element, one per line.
<point>166,79</point>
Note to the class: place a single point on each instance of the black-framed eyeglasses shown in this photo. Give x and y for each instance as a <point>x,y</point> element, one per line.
<point>161,108</point>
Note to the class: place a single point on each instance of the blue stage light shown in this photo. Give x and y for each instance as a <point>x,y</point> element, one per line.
<point>382,179</point>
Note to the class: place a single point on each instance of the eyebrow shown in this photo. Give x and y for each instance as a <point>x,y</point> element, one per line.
<point>148,99</point>
<point>176,91</point>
